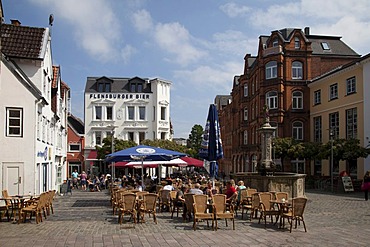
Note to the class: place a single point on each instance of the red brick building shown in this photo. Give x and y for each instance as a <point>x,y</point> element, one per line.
<point>277,77</point>
<point>76,143</point>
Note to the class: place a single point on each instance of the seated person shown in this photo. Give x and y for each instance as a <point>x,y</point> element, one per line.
<point>196,190</point>
<point>168,186</point>
<point>231,192</point>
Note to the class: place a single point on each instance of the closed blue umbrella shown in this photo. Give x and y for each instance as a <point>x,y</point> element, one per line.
<point>211,147</point>
<point>143,153</point>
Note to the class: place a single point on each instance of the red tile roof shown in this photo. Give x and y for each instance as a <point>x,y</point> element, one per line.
<point>22,41</point>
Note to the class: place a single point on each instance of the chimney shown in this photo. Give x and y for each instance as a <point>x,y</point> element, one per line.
<point>307,30</point>
<point>15,22</point>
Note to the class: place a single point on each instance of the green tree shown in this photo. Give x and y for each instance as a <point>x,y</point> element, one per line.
<point>106,148</point>
<point>312,151</point>
<point>195,140</point>
<point>166,144</point>
<point>282,147</point>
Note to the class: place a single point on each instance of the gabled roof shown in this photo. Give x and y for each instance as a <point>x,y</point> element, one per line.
<point>23,41</point>
<point>118,84</point>
<point>56,73</point>
<point>76,124</point>
<point>337,47</point>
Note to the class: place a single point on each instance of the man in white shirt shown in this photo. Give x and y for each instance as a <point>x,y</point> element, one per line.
<point>196,190</point>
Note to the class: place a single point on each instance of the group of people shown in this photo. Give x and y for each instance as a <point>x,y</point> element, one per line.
<point>230,189</point>
<point>89,182</point>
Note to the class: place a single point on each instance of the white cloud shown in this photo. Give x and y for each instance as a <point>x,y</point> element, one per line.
<point>127,52</point>
<point>98,34</point>
<point>217,79</point>
<point>233,43</point>
<point>233,10</point>
<point>142,21</point>
<point>176,40</point>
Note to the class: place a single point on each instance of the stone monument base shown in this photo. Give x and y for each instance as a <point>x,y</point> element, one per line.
<point>293,183</point>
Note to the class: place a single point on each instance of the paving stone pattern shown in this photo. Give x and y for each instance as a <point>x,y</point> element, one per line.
<point>86,219</point>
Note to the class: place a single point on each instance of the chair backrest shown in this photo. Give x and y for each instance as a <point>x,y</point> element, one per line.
<point>265,198</point>
<point>255,200</point>
<point>189,200</point>
<point>200,203</point>
<point>165,195</point>
<point>298,206</point>
<point>173,194</point>
<point>128,201</point>
<point>242,194</point>
<point>251,191</point>
<point>5,193</point>
<point>140,194</point>
<point>280,195</point>
<point>219,203</point>
<point>150,201</point>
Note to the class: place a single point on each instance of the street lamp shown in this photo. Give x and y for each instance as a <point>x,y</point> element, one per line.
<point>331,133</point>
<point>112,151</point>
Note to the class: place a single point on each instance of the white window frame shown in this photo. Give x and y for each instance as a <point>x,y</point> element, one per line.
<point>246,114</point>
<point>106,113</point>
<point>297,43</point>
<point>14,122</point>
<point>245,138</point>
<point>97,135</point>
<point>333,91</point>
<point>74,144</point>
<point>317,129</point>
<point>272,99</point>
<point>245,90</point>
<point>271,70</point>
<point>297,70</point>
<point>297,98</point>
<point>130,113</point>
<point>351,85</point>
<point>317,97</point>
<point>351,123</point>
<point>297,131</point>
<point>142,117</point>
<point>163,112</point>
<point>96,111</point>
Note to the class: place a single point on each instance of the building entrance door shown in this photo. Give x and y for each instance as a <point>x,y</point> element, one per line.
<point>13,176</point>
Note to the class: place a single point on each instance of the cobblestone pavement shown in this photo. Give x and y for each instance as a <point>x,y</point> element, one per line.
<point>86,219</point>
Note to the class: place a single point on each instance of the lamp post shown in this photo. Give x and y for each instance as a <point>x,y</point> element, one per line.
<point>112,151</point>
<point>331,133</point>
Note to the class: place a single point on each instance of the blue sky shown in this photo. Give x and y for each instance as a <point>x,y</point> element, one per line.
<point>197,45</point>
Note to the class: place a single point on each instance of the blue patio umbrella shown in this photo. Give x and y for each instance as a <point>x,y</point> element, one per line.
<point>143,153</point>
<point>211,147</point>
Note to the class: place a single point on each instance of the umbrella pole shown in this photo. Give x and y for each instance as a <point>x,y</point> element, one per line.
<point>142,174</point>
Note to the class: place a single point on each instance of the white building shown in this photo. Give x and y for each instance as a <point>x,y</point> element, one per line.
<point>33,105</point>
<point>133,108</point>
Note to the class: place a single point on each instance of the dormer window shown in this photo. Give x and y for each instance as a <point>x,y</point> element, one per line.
<point>297,43</point>
<point>275,42</point>
<point>325,46</point>
<point>104,87</point>
<point>136,87</point>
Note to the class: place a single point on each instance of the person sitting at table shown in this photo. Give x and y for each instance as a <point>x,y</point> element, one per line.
<point>231,192</point>
<point>168,186</point>
<point>196,190</point>
<point>210,191</point>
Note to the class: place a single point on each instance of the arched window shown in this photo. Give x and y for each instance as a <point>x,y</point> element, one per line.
<point>271,70</point>
<point>297,98</point>
<point>272,100</point>
<point>297,70</point>
<point>298,130</point>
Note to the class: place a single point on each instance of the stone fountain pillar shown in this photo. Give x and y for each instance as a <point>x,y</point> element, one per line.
<point>266,144</point>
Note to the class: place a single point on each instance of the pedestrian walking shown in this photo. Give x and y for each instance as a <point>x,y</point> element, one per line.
<point>366,185</point>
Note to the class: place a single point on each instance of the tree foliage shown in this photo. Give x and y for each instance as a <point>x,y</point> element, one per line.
<point>106,148</point>
<point>195,140</point>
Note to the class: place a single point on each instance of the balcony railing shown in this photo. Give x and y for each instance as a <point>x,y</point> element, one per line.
<point>272,50</point>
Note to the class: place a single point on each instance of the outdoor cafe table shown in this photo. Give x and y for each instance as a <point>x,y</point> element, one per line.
<point>283,207</point>
<point>17,203</point>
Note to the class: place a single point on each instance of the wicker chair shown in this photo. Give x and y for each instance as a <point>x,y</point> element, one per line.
<point>148,206</point>
<point>164,200</point>
<point>219,209</point>
<point>200,207</point>
<point>295,213</point>
<point>36,208</point>
<point>255,205</point>
<point>127,206</point>
<point>246,201</point>
<point>189,209</point>
<point>266,208</point>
